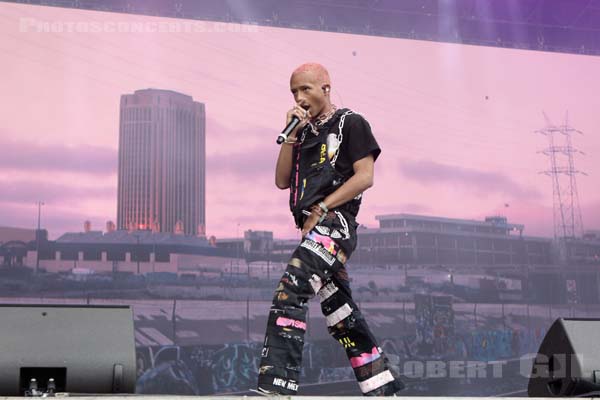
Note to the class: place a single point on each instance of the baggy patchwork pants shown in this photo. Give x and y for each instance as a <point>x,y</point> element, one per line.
<point>317,268</point>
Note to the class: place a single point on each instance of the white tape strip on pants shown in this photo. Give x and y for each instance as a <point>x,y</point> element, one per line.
<point>339,315</point>
<point>327,291</point>
<point>376,381</point>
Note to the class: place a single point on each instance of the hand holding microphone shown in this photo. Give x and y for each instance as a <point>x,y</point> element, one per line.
<point>297,118</point>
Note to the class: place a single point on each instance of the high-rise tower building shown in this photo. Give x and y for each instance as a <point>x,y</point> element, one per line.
<point>162,159</point>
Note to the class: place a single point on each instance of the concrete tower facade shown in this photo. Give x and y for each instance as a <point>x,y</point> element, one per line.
<point>162,163</point>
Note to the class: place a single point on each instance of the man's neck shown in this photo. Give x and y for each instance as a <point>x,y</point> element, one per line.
<point>326,108</point>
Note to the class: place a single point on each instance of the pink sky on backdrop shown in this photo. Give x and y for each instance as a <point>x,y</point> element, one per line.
<point>455,122</point>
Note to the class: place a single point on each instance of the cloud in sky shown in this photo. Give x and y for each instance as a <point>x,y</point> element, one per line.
<point>246,162</point>
<point>51,192</point>
<point>431,172</point>
<point>83,158</point>
<point>56,220</point>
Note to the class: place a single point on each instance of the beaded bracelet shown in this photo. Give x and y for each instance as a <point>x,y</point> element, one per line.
<point>324,210</point>
<point>323,207</point>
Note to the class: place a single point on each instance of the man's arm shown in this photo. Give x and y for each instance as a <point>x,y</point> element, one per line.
<point>283,168</point>
<point>358,183</point>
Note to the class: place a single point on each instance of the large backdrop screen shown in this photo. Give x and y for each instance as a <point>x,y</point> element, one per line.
<point>466,132</point>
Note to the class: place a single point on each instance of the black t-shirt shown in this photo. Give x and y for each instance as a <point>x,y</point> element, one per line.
<point>306,188</point>
<point>357,142</point>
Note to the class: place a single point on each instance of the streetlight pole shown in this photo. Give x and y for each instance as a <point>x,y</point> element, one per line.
<point>37,237</point>
<point>137,253</point>
<point>153,253</point>
<point>237,247</point>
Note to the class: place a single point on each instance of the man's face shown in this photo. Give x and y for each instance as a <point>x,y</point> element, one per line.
<point>308,92</point>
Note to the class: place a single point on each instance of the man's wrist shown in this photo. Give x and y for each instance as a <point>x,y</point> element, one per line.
<point>323,207</point>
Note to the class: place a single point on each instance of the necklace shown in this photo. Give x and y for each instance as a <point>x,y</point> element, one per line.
<point>322,119</point>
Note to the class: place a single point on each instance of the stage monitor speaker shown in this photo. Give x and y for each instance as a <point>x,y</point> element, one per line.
<point>568,361</point>
<point>63,348</point>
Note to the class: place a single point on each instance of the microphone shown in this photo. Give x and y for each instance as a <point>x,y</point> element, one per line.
<point>288,129</point>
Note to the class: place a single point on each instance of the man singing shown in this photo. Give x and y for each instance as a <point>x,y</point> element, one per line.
<point>327,162</point>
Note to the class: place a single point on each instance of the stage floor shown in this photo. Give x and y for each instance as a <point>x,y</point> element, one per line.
<point>167,397</point>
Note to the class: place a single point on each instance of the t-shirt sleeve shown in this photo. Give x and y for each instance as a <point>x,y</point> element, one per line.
<point>360,142</point>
